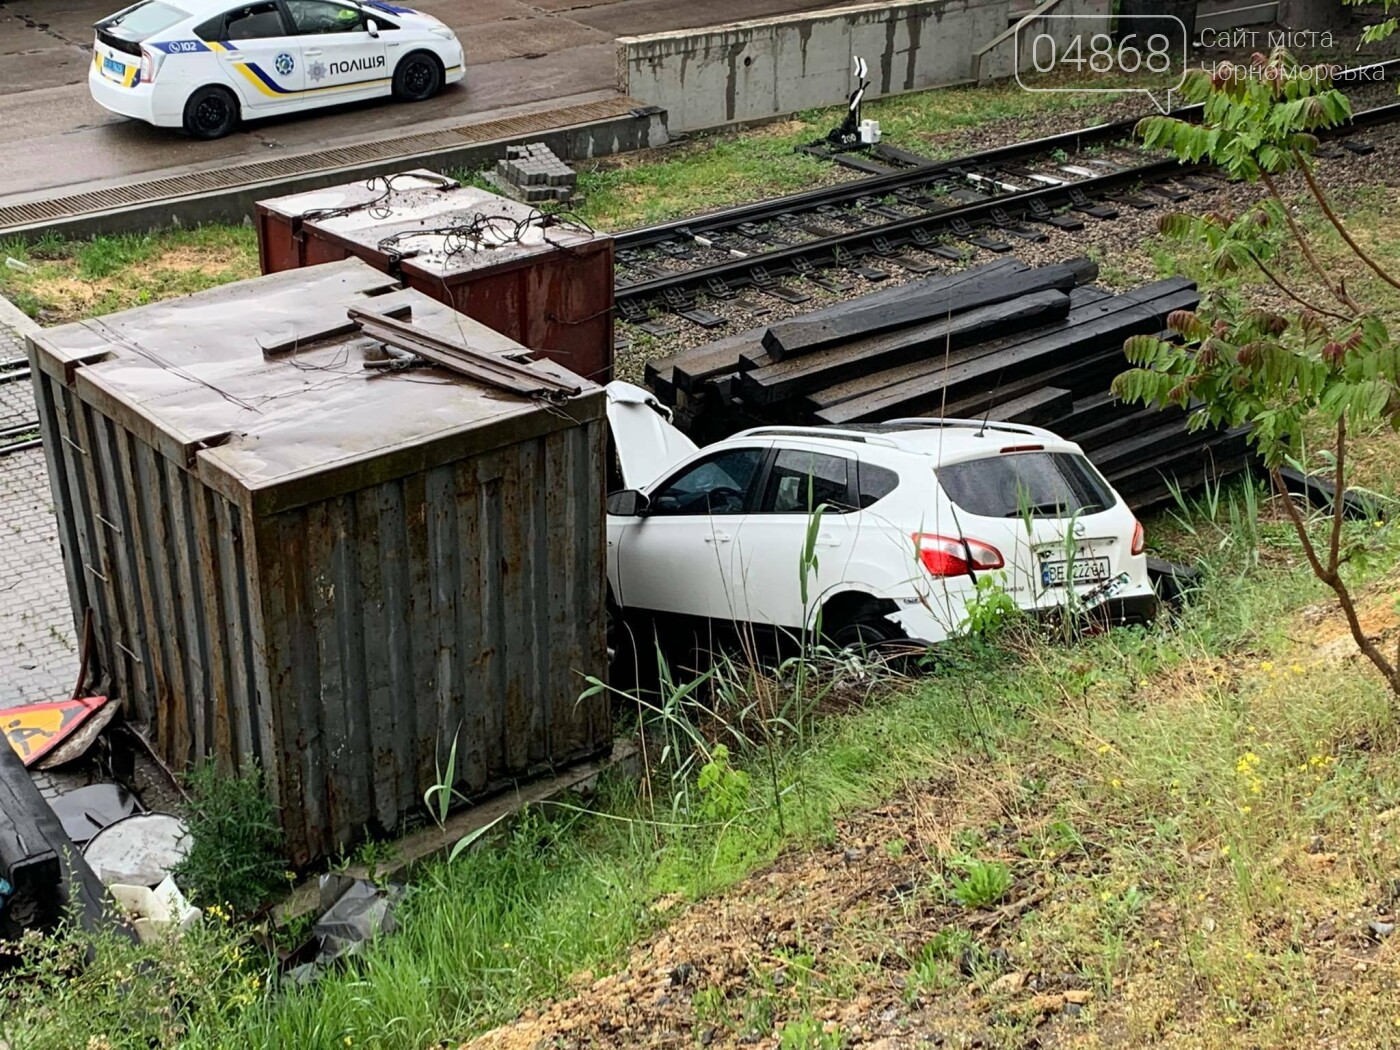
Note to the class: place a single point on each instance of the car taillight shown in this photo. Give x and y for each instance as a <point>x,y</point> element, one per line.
<point>948,556</point>
<point>1139,538</point>
<point>148,67</point>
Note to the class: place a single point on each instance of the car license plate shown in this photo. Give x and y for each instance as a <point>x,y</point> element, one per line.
<point>111,65</point>
<point>1083,570</point>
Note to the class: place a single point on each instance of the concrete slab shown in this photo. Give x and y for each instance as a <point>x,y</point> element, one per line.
<point>462,14</point>
<point>634,17</point>
<point>525,38</point>
<point>54,137</point>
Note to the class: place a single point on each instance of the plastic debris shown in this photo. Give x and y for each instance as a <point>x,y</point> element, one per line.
<point>356,912</point>
<point>156,913</point>
<point>87,810</point>
<point>139,850</point>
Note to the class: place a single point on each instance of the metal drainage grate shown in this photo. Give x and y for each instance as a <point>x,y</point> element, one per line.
<point>305,163</point>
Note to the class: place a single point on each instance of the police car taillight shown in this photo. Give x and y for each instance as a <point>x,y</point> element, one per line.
<point>149,65</point>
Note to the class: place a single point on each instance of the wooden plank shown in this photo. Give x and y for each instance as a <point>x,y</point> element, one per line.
<point>786,379</point>
<point>987,377</point>
<point>1034,409</point>
<point>1152,439</point>
<point>1085,305</point>
<point>1147,485</point>
<point>691,368</point>
<point>1130,420</point>
<point>1091,411</point>
<point>920,304</point>
<point>1322,493</point>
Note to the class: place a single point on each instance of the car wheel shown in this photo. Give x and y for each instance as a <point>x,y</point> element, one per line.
<point>864,627</point>
<point>211,113</point>
<point>417,77</point>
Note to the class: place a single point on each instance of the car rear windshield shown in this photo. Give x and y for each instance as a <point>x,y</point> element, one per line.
<point>1042,484</point>
<point>143,20</point>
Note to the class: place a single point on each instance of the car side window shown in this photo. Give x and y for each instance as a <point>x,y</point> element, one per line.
<point>718,484</point>
<point>875,483</point>
<point>802,481</point>
<point>254,22</point>
<point>321,16</point>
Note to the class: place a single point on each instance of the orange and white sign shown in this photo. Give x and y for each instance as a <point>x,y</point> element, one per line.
<point>36,729</point>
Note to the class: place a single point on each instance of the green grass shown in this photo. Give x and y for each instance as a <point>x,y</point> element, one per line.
<point>67,280</point>
<point>1138,742</point>
<point>715,171</point>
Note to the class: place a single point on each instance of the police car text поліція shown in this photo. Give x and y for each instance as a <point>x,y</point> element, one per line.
<point>204,65</point>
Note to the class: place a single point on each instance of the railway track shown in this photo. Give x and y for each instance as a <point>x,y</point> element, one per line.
<point>19,437</point>
<point>14,369</point>
<point>865,230</point>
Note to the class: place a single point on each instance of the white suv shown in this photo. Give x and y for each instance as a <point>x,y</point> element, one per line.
<point>916,511</point>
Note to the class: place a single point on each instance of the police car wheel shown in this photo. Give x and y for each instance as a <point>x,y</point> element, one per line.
<point>417,77</point>
<point>211,113</point>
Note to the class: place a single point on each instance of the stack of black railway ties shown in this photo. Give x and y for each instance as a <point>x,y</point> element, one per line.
<point>1003,341</point>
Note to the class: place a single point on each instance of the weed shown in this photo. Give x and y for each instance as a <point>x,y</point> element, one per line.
<point>724,790</point>
<point>937,965</point>
<point>711,1006</point>
<point>809,1033</point>
<point>235,857</point>
<point>981,883</point>
<point>990,609</point>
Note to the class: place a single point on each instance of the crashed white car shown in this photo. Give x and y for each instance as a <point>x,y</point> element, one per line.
<point>204,65</point>
<point>916,511</point>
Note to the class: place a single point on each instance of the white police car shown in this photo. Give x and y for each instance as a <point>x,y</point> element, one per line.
<point>205,64</point>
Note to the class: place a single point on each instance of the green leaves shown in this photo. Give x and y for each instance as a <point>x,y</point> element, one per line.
<point>1237,364</point>
<point>1258,118</point>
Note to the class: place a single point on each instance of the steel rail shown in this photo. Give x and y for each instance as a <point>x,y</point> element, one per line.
<point>918,230</point>
<point>899,233</point>
<point>880,185</point>
<point>20,442</point>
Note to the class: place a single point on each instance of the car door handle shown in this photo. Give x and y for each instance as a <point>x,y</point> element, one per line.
<point>312,51</point>
<point>717,537</point>
<point>827,540</point>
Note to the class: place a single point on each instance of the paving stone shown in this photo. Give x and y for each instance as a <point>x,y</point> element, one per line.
<point>38,651</point>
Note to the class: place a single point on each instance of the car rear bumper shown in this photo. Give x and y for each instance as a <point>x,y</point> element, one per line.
<point>137,101</point>
<point>935,621</point>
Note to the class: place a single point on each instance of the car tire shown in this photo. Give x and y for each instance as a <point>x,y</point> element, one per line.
<point>417,77</point>
<point>211,113</point>
<point>864,627</point>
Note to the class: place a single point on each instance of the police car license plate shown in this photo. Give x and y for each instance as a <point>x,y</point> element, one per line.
<point>1083,570</point>
<point>111,65</point>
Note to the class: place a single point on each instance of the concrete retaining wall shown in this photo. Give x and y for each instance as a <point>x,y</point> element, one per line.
<point>753,71</point>
<point>997,59</point>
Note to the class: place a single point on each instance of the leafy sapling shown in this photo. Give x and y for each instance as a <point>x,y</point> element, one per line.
<point>1327,359</point>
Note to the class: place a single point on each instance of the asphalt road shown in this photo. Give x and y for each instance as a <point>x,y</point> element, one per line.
<point>518,51</point>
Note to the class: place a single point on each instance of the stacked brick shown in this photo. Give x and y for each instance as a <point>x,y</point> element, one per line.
<point>532,173</point>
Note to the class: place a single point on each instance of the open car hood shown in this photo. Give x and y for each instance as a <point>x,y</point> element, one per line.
<point>646,443</point>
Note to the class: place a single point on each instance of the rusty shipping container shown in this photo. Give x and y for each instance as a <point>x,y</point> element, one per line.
<point>329,569</point>
<point>546,284</point>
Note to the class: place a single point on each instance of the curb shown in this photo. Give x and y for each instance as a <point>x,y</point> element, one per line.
<point>11,316</point>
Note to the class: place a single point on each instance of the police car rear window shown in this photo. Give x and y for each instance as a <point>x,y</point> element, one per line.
<point>143,20</point>
<point>1041,484</point>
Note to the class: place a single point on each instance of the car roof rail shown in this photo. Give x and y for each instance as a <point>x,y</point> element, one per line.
<point>970,424</point>
<point>819,434</point>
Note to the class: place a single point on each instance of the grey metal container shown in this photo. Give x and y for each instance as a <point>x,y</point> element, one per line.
<point>332,571</point>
